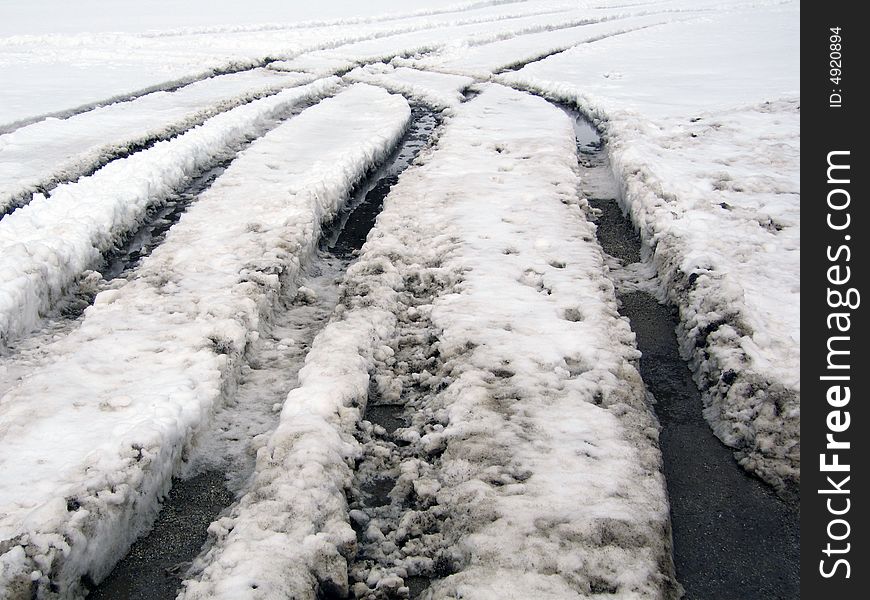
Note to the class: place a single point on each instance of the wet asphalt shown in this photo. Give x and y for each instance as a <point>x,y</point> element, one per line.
<point>734,538</point>
<point>157,562</point>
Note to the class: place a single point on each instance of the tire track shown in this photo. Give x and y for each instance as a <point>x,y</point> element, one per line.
<point>472,6</point>
<point>440,466</point>
<point>223,454</point>
<point>456,491</point>
<point>82,221</point>
<point>166,86</point>
<point>238,66</point>
<point>32,351</point>
<point>522,63</point>
<point>734,537</point>
<point>169,346</point>
<point>392,503</point>
<point>418,45</point>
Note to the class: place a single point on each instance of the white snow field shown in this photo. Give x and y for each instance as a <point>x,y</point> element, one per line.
<point>42,73</point>
<point>481,306</point>
<point>543,400</point>
<point>153,359</point>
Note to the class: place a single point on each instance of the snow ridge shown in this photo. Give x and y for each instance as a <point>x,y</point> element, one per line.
<point>733,329</point>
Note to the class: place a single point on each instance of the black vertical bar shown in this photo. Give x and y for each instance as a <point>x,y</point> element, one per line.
<point>834,265</point>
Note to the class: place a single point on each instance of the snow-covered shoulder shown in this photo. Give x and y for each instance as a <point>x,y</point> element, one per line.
<point>530,465</point>
<point>89,443</point>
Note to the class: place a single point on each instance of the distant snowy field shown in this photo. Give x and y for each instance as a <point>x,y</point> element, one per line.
<point>481,298</point>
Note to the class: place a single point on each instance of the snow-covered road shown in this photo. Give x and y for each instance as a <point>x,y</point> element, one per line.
<point>484,332</point>
<point>470,419</point>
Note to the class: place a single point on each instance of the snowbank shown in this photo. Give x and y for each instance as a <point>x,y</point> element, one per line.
<point>51,241</point>
<point>707,145</point>
<point>531,468</point>
<point>89,444</point>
